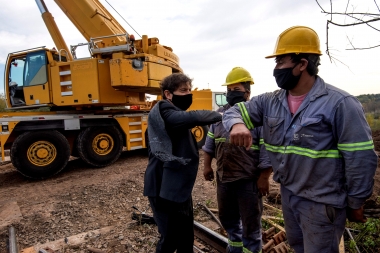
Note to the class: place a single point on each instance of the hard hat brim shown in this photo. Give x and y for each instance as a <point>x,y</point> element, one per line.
<point>275,55</point>
<point>226,84</point>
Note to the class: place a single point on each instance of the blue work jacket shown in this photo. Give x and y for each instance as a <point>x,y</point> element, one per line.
<point>324,152</point>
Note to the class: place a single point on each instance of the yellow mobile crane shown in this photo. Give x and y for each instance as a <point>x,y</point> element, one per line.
<point>120,71</point>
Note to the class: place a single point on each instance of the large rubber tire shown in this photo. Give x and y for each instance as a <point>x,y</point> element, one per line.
<point>100,146</point>
<point>200,134</point>
<point>40,154</point>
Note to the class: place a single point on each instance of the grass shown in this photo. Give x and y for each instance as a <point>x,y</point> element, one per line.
<point>366,236</point>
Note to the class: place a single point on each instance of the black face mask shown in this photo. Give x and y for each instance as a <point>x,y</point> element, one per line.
<point>183,102</point>
<point>285,78</point>
<point>234,97</point>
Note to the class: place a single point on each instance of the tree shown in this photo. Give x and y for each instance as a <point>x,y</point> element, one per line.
<point>350,17</point>
<point>3,103</point>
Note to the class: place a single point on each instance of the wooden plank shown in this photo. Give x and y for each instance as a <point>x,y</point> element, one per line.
<point>272,207</point>
<point>72,240</point>
<point>274,224</point>
<point>341,246</point>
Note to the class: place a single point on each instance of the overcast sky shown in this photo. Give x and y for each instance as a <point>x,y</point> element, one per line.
<point>213,36</point>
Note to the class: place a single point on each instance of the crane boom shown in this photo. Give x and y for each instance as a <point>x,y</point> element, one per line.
<point>53,29</point>
<point>92,19</point>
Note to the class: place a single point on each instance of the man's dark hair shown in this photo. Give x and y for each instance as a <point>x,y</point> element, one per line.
<point>313,62</point>
<point>173,82</point>
<point>246,85</point>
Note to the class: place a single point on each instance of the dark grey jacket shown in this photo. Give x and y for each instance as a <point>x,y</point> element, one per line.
<point>172,180</point>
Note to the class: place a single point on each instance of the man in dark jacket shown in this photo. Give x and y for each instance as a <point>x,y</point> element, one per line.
<point>173,163</point>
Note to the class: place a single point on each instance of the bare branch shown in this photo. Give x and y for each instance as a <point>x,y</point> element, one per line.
<point>366,23</point>
<point>350,42</point>
<point>377,5</point>
<point>352,13</point>
<point>353,24</point>
<point>327,41</point>
<point>360,20</point>
<point>336,59</point>
<point>362,48</point>
<point>320,6</point>
<point>348,2</point>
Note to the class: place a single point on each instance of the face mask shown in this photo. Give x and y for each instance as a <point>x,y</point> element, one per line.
<point>183,102</point>
<point>285,78</point>
<point>234,97</point>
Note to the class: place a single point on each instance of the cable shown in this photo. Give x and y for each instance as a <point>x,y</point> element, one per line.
<point>123,18</point>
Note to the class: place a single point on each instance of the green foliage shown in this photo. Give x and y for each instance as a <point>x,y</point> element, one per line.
<point>371,106</point>
<point>3,103</point>
<point>366,236</point>
<point>208,203</point>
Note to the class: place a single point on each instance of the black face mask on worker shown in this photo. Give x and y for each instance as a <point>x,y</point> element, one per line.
<point>183,102</point>
<point>234,97</point>
<point>285,78</point>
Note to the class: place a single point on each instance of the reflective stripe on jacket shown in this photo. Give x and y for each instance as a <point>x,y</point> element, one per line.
<point>233,162</point>
<point>324,152</point>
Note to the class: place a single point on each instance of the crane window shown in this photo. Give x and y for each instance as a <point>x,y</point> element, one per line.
<point>35,69</point>
<point>16,72</point>
<point>220,99</point>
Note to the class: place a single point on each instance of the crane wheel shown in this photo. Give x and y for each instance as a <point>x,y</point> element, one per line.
<point>40,154</point>
<point>200,134</point>
<point>100,146</point>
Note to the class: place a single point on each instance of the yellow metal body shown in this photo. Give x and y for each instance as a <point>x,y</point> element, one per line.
<point>202,100</point>
<point>123,74</point>
<point>84,83</point>
<point>38,94</point>
<point>134,128</point>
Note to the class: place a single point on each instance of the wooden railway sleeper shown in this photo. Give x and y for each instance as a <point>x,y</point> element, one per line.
<point>279,237</point>
<point>280,248</point>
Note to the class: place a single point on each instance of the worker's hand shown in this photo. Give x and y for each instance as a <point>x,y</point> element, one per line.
<point>263,186</point>
<point>208,173</point>
<point>263,181</point>
<point>356,215</point>
<point>241,136</point>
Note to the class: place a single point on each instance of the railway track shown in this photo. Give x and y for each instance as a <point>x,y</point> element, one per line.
<point>273,242</point>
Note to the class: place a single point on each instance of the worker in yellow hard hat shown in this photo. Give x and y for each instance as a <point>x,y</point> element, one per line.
<point>241,175</point>
<point>318,141</point>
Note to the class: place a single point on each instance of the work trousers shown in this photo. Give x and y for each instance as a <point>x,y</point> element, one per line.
<point>175,223</point>
<point>240,209</point>
<point>310,226</point>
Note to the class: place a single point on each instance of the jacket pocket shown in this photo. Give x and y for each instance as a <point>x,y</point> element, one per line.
<point>273,130</point>
<point>172,165</point>
<point>307,134</point>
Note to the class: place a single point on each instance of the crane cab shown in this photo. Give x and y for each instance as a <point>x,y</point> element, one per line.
<point>26,79</point>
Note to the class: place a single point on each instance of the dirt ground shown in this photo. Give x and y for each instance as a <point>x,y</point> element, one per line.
<point>93,207</point>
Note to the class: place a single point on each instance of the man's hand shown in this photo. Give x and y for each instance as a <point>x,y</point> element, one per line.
<point>208,173</point>
<point>356,215</point>
<point>241,136</point>
<point>263,181</point>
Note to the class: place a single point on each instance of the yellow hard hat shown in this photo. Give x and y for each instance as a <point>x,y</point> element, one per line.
<point>297,39</point>
<point>238,75</point>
